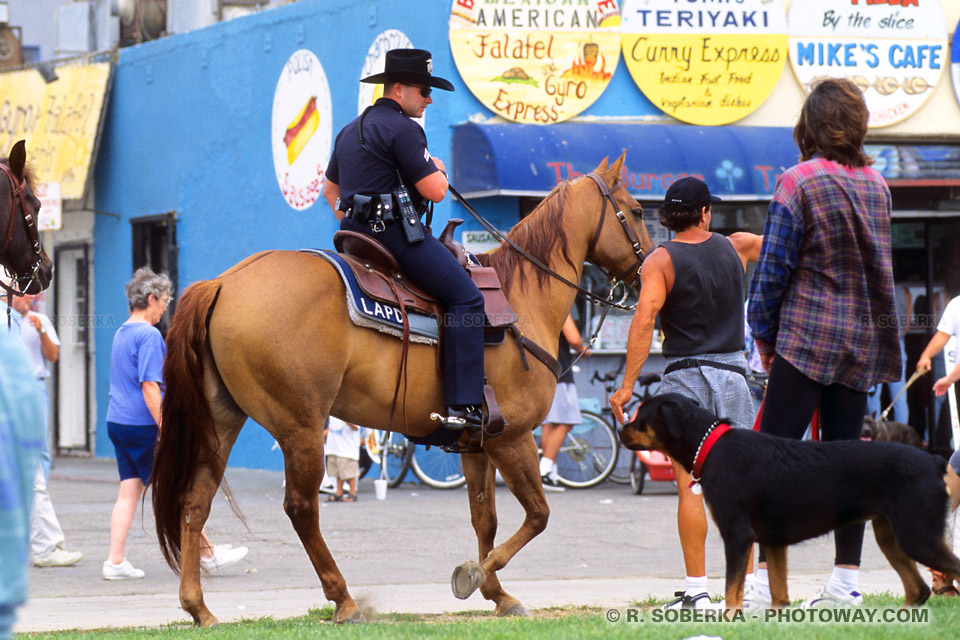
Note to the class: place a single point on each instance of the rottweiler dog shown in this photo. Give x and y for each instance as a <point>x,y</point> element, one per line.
<point>779,492</point>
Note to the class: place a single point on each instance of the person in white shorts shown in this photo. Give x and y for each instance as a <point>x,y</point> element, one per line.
<point>565,411</point>
<point>342,450</point>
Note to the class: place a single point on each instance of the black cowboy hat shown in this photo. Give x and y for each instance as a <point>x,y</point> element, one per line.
<point>411,66</point>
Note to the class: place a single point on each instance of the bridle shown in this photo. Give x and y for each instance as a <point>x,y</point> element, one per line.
<point>607,196</point>
<point>17,192</point>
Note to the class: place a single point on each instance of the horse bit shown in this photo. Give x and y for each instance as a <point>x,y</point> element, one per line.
<point>17,191</point>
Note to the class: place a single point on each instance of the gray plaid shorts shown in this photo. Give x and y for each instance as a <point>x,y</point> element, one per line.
<point>722,392</point>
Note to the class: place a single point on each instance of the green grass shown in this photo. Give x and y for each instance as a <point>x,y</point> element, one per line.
<point>546,624</point>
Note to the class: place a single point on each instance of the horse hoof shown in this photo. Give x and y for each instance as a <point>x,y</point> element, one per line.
<point>515,609</point>
<point>466,579</point>
<point>206,623</point>
<point>355,618</point>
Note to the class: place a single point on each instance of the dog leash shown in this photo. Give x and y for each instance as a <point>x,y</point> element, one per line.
<point>916,376</point>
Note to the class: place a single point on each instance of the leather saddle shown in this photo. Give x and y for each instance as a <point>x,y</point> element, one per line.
<point>376,268</point>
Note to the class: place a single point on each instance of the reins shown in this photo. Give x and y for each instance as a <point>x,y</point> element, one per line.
<point>606,194</point>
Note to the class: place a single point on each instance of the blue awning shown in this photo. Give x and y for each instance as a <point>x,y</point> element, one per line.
<point>738,163</point>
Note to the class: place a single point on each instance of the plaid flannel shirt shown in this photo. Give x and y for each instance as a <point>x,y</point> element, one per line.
<point>822,293</point>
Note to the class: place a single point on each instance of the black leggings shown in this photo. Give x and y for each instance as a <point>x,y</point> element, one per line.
<point>787,410</point>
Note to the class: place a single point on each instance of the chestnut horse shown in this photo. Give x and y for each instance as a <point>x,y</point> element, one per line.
<point>21,253</point>
<point>290,361</point>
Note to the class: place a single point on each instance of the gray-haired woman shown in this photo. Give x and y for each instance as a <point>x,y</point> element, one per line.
<point>133,416</point>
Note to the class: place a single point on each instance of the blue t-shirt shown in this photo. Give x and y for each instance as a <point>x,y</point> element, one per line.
<point>136,357</point>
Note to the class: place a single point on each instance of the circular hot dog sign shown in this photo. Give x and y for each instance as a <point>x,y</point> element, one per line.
<point>535,62</point>
<point>301,129</point>
<point>895,52</point>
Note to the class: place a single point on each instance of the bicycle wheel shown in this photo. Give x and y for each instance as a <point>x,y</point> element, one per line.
<point>638,473</point>
<point>588,453</point>
<point>437,468</point>
<point>394,455</point>
<point>621,470</point>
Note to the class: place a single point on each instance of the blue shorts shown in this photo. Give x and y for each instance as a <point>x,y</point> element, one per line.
<point>135,446</point>
<point>955,462</point>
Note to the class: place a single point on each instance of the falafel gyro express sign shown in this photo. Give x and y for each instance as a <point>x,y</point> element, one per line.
<point>702,61</point>
<point>894,51</point>
<point>536,62</point>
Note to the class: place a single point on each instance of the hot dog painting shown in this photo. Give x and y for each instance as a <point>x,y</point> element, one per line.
<point>301,129</point>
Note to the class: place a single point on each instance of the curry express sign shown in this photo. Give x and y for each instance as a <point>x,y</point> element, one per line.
<point>535,62</point>
<point>706,63</point>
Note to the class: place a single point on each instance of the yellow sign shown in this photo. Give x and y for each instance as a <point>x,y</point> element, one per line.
<point>59,121</point>
<point>535,62</point>
<point>707,64</point>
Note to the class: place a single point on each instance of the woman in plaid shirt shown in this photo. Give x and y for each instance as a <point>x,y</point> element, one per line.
<point>822,300</point>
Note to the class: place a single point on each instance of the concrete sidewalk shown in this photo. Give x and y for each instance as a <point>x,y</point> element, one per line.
<point>603,547</point>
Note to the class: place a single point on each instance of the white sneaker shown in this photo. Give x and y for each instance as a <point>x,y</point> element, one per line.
<point>697,601</point>
<point>549,484</point>
<point>58,558</point>
<point>827,599</point>
<point>122,571</point>
<point>754,601</point>
<point>224,555</point>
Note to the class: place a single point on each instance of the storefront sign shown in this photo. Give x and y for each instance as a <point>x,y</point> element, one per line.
<point>58,120</point>
<point>479,241</point>
<point>301,129</point>
<point>895,53</point>
<point>51,206</point>
<point>537,63</point>
<point>705,63</point>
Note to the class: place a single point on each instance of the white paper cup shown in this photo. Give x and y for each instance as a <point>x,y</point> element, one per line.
<point>380,486</point>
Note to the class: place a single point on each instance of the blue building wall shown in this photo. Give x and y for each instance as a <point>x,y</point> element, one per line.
<point>187,129</point>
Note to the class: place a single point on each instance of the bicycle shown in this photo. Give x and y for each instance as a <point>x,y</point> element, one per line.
<point>431,465</point>
<point>391,450</point>
<point>628,467</point>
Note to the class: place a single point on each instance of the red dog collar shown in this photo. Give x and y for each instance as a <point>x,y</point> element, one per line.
<point>704,450</point>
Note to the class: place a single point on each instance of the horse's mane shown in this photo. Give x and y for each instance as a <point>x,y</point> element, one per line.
<point>540,233</point>
<point>27,173</point>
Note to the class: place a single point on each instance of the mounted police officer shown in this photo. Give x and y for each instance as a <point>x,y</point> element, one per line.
<point>378,182</point>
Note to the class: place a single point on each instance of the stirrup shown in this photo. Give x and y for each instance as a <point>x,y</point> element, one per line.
<point>469,417</point>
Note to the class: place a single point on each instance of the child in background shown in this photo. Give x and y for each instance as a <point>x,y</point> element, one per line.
<point>342,457</point>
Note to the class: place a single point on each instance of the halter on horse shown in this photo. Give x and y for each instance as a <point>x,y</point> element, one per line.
<point>21,253</point>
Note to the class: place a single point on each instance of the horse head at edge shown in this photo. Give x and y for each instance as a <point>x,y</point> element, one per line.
<point>619,239</point>
<point>21,251</point>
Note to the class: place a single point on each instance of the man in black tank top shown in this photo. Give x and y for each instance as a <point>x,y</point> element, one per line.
<point>695,283</point>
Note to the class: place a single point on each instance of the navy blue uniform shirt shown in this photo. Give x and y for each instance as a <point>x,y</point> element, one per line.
<point>390,133</point>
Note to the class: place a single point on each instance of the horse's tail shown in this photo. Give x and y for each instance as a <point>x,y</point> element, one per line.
<point>187,435</point>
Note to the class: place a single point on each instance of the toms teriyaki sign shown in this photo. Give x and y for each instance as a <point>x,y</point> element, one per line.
<point>703,62</point>
<point>894,51</point>
<point>535,62</point>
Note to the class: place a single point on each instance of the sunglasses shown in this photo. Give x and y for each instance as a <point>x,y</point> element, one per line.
<point>424,91</point>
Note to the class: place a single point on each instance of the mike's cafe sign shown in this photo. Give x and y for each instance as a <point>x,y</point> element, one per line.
<point>894,51</point>
<point>535,62</point>
<point>706,63</point>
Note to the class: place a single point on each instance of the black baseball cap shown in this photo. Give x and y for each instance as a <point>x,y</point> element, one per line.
<point>690,192</point>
